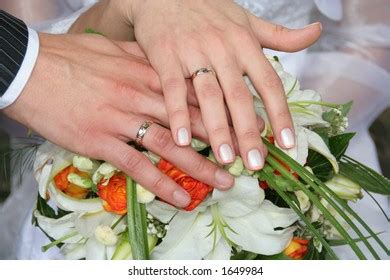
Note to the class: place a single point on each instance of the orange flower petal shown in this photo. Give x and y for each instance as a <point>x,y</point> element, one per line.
<point>196,189</point>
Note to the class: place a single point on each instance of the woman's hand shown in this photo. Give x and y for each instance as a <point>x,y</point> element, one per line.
<point>90,95</point>
<point>181,36</point>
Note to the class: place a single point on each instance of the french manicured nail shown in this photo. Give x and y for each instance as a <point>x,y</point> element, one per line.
<point>224,179</point>
<point>255,159</point>
<point>181,198</point>
<point>183,137</point>
<point>226,153</point>
<point>287,137</point>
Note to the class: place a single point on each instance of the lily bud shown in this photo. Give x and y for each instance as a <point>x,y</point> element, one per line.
<point>236,167</point>
<point>143,195</point>
<point>345,188</point>
<point>198,145</point>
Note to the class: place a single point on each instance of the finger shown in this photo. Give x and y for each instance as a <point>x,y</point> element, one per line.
<point>159,140</point>
<point>131,48</point>
<point>140,168</point>
<point>191,94</point>
<point>175,94</point>
<point>269,86</point>
<point>212,105</point>
<point>152,104</point>
<point>281,38</point>
<point>241,107</point>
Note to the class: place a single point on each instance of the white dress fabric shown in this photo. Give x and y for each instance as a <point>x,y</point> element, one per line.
<point>342,66</point>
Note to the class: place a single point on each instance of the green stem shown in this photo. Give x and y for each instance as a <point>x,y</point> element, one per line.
<point>310,178</point>
<point>118,221</point>
<point>136,223</point>
<point>298,211</point>
<point>321,207</point>
<point>308,102</point>
<point>58,241</point>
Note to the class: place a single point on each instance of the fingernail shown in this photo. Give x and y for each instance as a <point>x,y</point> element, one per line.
<point>287,138</point>
<point>315,23</point>
<point>181,198</point>
<point>226,153</point>
<point>224,179</point>
<point>183,137</point>
<point>255,159</point>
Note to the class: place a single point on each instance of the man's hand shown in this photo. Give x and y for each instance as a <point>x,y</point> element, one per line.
<point>90,95</point>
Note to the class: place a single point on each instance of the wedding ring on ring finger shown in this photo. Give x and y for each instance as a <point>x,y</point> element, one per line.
<point>142,132</point>
<point>201,71</point>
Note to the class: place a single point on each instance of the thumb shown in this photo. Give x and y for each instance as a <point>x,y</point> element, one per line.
<point>280,38</point>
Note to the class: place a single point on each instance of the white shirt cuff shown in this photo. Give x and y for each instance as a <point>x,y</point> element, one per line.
<point>18,84</point>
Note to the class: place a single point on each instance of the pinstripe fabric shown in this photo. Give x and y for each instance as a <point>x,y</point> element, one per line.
<point>13,46</point>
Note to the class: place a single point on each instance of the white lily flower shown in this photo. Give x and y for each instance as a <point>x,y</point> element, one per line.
<point>237,217</point>
<point>84,235</point>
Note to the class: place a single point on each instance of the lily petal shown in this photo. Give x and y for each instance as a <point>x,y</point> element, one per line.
<point>255,232</point>
<point>187,238</point>
<point>317,144</point>
<point>68,203</point>
<point>58,228</point>
<point>75,251</point>
<point>243,198</point>
<point>95,250</point>
<point>222,251</point>
<point>86,224</point>
<point>161,210</point>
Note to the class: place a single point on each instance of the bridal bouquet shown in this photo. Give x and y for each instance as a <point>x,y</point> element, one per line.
<point>297,207</point>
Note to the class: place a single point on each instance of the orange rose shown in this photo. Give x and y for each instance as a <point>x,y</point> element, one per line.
<point>297,249</point>
<point>196,189</point>
<point>62,183</point>
<point>114,194</point>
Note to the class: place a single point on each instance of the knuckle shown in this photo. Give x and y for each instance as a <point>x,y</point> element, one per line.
<point>280,29</point>
<point>195,115</point>
<point>239,93</point>
<point>178,114</point>
<point>173,84</point>
<point>132,161</point>
<point>244,36</point>
<point>251,135</point>
<point>162,140</point>
<point>222,130</point>
<point>200,166</point>
<point>127,90</point>
<point>159,185</point>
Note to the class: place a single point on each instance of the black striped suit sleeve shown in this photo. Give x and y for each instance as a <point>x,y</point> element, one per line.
<point>13,47</point>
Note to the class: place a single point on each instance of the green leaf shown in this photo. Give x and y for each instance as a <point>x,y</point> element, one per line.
<point>325,192</point>
<point>92,31</point>
<point>136,223</point>
<point>320,165</point>
<point>315,232</point>
<point>342,242</point>
<point>366,177</point>
<point>325,212</point>
<point>45,210</point>
<point>243,255</point>
<point>345,108</point>
<point>279,256</point>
